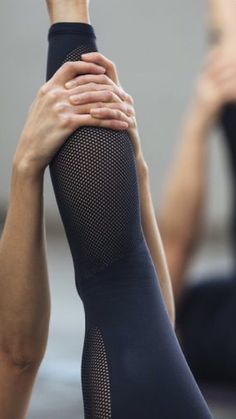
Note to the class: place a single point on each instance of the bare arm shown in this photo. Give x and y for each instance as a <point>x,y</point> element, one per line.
<point>24,291</point>
<point>24,297</point>
<point>180,213</point>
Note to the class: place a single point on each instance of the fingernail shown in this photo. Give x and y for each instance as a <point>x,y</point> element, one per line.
<point>95,113</point>
<point>70,84</point>
<point>75,98</point>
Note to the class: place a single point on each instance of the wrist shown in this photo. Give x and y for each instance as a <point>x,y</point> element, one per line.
<point>25,169</point>
<point>199,119</point>
<point>142,168</point>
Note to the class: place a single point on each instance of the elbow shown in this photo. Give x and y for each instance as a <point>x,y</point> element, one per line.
<point>23,356</point>
<point>29,361</point>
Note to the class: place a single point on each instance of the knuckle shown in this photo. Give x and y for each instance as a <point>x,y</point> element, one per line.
<point>109,95</point>
<point>60,107</point>
<point>104,79</point>
<point>53,93</point>
<point>43,90</point>
<point>130,110</point>
<point>69,65</point>
<point>65,120</point>
<point>80,80</point>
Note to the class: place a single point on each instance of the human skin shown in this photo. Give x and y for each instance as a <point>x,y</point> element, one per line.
<point>215,87</point>
<point>24,290</point>
<point>221,15</point>
<point>78,11</point>
<point>187,193</point>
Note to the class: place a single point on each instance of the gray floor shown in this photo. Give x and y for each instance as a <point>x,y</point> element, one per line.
<point>57,394</point>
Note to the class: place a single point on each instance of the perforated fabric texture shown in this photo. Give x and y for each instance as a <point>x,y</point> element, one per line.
<point>132,364</point>
<point>95,376</point>
<point>94,178</point>
<point>75,55</point>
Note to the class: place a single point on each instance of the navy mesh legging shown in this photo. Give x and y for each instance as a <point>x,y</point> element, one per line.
<point>132,365</point>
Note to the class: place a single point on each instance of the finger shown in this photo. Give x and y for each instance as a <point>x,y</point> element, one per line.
<point>86,108</point>
<point>97,58</point>
<point>73,68</point>
<point>97,96</point>
<point>94,87</point>
<point>106,113</point>
<point>88,120</point>
<point>89,78</point>
<point>123,106</point>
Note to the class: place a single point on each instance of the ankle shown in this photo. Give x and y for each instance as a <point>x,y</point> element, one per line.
<point>68,11</point>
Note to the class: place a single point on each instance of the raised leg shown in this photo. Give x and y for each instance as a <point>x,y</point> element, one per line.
<point>131,359</point>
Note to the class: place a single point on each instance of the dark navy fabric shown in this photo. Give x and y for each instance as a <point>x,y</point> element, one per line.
<point>206,326</point>
<point>133,367</point>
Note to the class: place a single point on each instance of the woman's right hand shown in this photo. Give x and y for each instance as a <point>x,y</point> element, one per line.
<point>53,117</point>
<point>126,107</point>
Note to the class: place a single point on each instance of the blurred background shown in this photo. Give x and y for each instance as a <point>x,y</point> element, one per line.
<point>158,49</point>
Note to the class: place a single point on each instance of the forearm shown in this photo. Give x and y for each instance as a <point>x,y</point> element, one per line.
<point>24,296</point>
<point>180,214</point>
<point>152,236</point>
<point>221,19</point>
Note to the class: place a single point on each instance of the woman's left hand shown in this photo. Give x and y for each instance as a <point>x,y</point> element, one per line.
<point>106,108</point>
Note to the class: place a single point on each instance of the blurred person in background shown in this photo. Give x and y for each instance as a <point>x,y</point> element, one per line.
<point>206,311</point>
<point>101,183</point>
<point>55,115</point>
